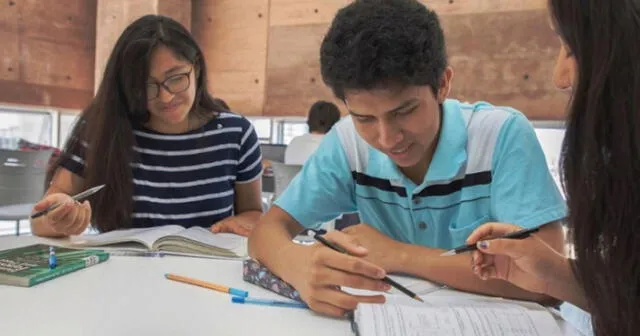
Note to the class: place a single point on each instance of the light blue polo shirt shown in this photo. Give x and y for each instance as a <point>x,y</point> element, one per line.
<point>488,166</point>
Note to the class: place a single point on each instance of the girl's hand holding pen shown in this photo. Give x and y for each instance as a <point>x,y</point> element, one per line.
<point>528,263</point>
<point>70,218</point>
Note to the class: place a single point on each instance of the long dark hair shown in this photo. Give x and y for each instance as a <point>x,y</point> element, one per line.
<point>601,156</point>
<point>104,131</point>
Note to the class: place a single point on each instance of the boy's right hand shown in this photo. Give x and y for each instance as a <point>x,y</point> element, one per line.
<point>320,271</point>
<point>70,218</point>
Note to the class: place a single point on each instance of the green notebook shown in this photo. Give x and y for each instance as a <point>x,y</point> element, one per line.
<point>28,266</point>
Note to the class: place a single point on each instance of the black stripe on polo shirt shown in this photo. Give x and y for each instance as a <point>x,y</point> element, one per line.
<point>452,205</point>
<point>383,202</point>
<point>470,180</point>
<point>382,184</point>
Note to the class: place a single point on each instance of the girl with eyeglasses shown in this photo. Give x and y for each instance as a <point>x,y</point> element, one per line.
<point>167,152</point>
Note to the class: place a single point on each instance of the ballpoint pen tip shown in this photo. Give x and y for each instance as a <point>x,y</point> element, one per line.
<point>448,253</point>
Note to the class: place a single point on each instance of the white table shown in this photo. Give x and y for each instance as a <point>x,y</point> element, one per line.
<point>130,296</point>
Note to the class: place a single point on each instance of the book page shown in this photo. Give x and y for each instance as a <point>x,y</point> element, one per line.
<point>197,237</point>
<point>480,319</point>
<point>145,236</point>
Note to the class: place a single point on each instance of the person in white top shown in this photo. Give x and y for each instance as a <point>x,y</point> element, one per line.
<point>322,116</point>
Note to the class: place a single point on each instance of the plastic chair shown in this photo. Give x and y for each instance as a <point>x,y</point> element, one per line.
<point>22,179</point>
<point>282,176</point>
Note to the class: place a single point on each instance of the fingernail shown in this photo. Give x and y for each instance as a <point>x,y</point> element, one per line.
<point>483,244</point>
<point>385,287</point>
<point>361,249</point>
<point>381,274</point>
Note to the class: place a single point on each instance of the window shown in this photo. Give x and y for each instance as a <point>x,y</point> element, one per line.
<point>292,129</point>
<point>29,124</point>
<point>263,128</point>
<point>279,130</point>
<point>67,122</point>
<point>551,136</point>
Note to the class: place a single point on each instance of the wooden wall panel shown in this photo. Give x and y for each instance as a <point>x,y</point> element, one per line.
<point>48,52</point>
<point>179,10</point>
<point>502,51</point>
<point>445,7</point>
<point>506,60</point>
<point>70,22</point>
<point>9,14</point>
<point>10,56</point>
<point>233,36</point>
<point>243,91</point>
<point>44,66</point>
<point>294,82</point>
<point>304,12</point>
<point>18,92</point>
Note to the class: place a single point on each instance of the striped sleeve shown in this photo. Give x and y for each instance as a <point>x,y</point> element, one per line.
<point>250,162</point>
<point>73,157</point>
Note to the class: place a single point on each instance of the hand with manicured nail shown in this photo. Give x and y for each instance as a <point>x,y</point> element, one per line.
<point>71,218</point>
<point>528,263</point>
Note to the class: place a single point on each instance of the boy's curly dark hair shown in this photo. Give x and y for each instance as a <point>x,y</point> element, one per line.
<point>383,43</point>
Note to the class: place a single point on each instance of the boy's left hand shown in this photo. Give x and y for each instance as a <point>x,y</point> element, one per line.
<point>383,250</point>
<point>231,225</point>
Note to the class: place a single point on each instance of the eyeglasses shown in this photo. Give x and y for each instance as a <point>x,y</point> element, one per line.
<point>174,84</point>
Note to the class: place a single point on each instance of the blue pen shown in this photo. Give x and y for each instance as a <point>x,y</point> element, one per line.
<point>53,262</point>
<point>273,303</point>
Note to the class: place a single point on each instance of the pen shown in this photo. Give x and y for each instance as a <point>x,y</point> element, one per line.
<point>273,303</point>
<point>78,197</point>
<point>522,234</point>
<point>210,285</point>
<point>53,260</point>
<point>385,279</point>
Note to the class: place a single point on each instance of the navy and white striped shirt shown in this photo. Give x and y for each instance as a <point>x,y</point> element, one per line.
<point>188,179</point>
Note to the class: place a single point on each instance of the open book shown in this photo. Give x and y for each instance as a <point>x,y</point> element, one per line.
<point>449,316</point>
<point>170,239</point>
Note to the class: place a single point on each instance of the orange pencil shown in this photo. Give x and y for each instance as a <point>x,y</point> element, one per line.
<point>209,285</point>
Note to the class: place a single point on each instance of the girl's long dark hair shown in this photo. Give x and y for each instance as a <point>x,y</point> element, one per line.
<point>104,131</point>
<point>601,156</point>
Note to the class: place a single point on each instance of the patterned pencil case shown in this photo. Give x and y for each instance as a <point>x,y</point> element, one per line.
<point>255,273</point>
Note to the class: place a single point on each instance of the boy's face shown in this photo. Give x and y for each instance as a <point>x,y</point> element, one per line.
<point>402,123</point>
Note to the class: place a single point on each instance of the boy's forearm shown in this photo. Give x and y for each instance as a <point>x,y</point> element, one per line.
<point>270,242</point>
<point>455,272</point>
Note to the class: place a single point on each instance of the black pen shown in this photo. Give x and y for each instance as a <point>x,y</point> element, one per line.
<point>79,197</point>
<point>522,234</point>
<point>386,279</point>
